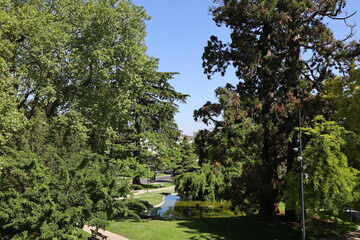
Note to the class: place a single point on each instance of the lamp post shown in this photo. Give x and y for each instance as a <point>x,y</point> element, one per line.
<point>301,180</point>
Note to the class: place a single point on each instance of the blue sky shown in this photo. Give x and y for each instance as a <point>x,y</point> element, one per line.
<point>177,33</point>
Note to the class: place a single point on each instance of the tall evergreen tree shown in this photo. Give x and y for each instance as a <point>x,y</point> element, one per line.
<point>187,160</point>
<point>269,40</point>
<point>152,125</point>
<point>232,149</point>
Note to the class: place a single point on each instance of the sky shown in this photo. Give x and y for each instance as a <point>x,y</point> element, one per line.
<point>177,34</point>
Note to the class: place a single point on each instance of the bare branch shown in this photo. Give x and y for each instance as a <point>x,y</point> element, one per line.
<point>342,18</point>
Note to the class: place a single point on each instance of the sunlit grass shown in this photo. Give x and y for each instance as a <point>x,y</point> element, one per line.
<point>202,228</point>
<point>154,198</point>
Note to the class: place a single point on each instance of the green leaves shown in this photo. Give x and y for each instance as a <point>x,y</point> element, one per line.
<point>331,183</point>
<point>282,52</point>
<point>199,185</point>
<point>344,93</point>
<point>72,76</point>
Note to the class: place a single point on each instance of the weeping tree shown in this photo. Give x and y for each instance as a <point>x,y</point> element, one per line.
<point>344,93</point>
<point>223,152</point>
<point>281,51</point>
<point>330,185</point>
<point>231,148</point>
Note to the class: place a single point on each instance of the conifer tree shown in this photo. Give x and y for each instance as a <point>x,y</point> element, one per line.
<point>269,39</point>
<point>152,125</point>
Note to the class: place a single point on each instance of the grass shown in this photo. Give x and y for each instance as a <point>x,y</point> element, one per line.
<point>153,198</point>
<point>239,228</point>
<point>328,226</point>
<point>282,207</point>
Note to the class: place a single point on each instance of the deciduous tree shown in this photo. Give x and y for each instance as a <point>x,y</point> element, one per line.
<point>330,186</point>
<point>73,74</point>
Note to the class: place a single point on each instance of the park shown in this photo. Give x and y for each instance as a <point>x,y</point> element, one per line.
<point>213,226</point>
<point>220,119</point>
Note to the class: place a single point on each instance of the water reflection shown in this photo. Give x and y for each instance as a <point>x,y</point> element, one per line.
<point>174,207</point>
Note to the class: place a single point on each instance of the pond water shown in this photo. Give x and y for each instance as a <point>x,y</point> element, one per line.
<point>175,207</point>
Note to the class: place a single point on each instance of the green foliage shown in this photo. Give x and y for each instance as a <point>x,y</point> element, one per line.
<point>223,152</point>
<point>235,145</point>
<point>226,143</point>
<point>11,119</point>
<point>170,157</point>
<point>199,185</point>
<point>330,186</point>
<point>268,42</point>
<point>75,79</point>
<point>151,130</point>
<point>50,190</point>
<point>187,157</point>
<point>344,93</point>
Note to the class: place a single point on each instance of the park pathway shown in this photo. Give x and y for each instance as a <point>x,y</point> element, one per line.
<point>114,236</point>
<point>111,236</point>
<point>138,192</point>
<point>349,236</point>
<point>352,235</point>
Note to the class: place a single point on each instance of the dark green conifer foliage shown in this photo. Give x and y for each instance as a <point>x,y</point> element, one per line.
<point>187,160</point>
<point>232,148</point>
<point>269,39</point>
<point>52,184</point>
<point>152,125</point>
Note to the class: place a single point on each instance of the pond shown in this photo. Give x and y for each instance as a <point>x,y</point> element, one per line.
<point>175,207</point>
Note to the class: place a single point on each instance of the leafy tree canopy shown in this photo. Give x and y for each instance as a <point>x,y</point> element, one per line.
<point>73,75</point>
<point>344,93</point>
<point>330,185</point>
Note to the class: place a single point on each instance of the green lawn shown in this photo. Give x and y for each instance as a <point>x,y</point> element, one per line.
<point>239,228</point>
<point>153,198</point>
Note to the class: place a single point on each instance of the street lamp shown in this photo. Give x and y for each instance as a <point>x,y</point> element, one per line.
<point>300,158</point>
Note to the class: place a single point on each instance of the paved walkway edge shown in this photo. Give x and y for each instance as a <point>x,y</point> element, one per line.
<point>111,236</point>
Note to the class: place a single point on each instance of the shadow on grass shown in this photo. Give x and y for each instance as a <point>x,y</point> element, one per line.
<point>328,228</point>
<point>238,228</point>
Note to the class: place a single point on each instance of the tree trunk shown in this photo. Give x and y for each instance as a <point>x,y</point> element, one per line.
<point>269,189</point>
<point>277,207</point>
<point>290,214</point>
<point>136,180</point>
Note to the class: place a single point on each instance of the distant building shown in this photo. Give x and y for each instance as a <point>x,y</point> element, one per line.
<point>182,136</point>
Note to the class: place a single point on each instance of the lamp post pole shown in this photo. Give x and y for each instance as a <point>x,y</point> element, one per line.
<point>301,182</point>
